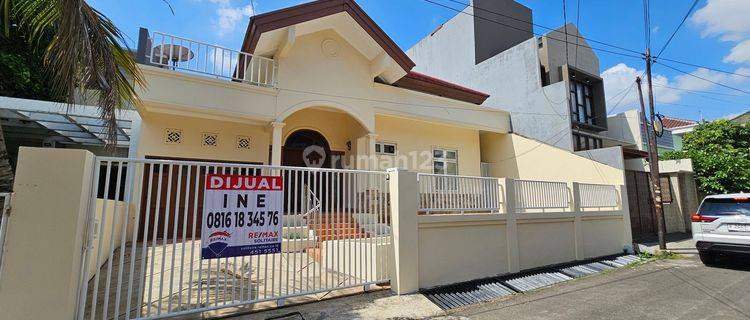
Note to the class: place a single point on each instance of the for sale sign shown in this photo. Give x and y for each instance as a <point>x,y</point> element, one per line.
<point>241,215</point>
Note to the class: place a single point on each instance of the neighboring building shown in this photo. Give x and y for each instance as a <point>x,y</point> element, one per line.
<point>678,127</point>
<point>625,128</point>
<point>35,123</point>
<point>679,193</point>
<point>554,94</point>
<point>742,119</point>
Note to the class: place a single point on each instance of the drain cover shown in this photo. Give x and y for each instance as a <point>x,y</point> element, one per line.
<point>621,261</point>
<point>461,294</point>
<point>536,281</point>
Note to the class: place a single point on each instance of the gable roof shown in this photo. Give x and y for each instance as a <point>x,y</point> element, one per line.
<point>670,122</point>
<point>317,9</point>
<point>423,83</point>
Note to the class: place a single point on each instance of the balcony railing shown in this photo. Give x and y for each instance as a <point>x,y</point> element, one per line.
<point>195,57</point>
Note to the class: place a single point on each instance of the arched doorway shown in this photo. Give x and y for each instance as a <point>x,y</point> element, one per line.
<point>306,148</point>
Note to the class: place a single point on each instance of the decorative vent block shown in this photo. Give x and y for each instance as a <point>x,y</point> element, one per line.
<point>210,139</point>
<point>243,142</point>
<point>172,136</point>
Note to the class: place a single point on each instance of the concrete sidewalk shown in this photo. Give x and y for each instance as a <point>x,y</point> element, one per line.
<point>665,289</point>
<point>681,243</point>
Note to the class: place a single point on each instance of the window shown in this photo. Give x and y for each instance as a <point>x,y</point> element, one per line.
<point>666,189</point>
<point>445,161</point>
<point>581,102</point>
<point>584,142</point>
<point>385,148</point>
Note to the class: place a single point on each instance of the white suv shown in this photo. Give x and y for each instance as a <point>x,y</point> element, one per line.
<point>722,225</point>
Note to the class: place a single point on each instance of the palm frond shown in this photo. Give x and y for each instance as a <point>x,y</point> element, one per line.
<point>87,53</point>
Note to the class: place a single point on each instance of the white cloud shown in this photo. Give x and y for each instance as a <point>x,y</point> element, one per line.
<point>229,13</point>
<point>739,54</point>
<point>620,77</point>
<point>726,19</point>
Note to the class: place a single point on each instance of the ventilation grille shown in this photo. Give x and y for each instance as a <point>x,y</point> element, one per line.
<point>210,139</point>
<point>172,136</point>
<point>243,142</point>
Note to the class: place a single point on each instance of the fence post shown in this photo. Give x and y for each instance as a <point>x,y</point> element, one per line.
<point>575,208</point>
<point>625,210</point>
<point>511,226</point>
<point>45,236</point>
<point>404,195</point>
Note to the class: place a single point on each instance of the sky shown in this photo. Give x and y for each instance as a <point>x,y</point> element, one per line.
<point>716,35</point>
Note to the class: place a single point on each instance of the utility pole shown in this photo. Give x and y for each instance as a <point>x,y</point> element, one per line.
<point>653,155</point>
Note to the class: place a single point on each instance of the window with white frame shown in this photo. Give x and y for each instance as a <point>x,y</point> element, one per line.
<point>385,148</point>
<point>444,161</point>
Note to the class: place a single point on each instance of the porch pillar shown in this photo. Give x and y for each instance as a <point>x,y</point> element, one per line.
<point>276,143</point>
<point>371,159</point>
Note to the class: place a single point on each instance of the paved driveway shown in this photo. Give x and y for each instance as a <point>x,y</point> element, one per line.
<point>668,289</point>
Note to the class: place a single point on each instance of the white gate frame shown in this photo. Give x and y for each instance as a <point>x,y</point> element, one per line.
<point>352,252</point>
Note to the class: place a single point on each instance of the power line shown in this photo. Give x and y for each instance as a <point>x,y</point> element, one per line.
<point>639,56</point>
<point>704,67</point>
<point>695,2</point>
<point>541,26</point>
<point>697,91</point>
<point>578,26</point>
<point>537,34</point>
<point>704,79</point>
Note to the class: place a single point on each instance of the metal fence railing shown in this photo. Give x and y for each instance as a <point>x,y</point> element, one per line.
<point>530,194</point>
<point>4,217</point>
<point>143,254</point>
<point>458,194</point>
<point>178,53</point>
<point>597,196</point>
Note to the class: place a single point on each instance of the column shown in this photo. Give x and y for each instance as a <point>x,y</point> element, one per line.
<point>276,142</point>
<point>575,208</point>
<point>404,230</point>
<point>371,158</point>
<point>511,216</point>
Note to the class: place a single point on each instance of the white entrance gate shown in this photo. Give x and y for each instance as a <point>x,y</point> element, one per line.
<point>142,258</point>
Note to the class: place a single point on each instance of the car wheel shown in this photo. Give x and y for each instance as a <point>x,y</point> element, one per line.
<point>708,258</point>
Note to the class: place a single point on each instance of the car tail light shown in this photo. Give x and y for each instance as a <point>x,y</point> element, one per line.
<point>699,218</point>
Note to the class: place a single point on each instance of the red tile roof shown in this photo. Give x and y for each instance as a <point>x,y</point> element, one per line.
<point>423,83</point>
<point>670,122</point>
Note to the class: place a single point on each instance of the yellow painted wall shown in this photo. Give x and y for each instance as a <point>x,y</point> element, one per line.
<point>419,138</point>
<point>514,156</point>
<point>151,140</point>
<point>337,127</point>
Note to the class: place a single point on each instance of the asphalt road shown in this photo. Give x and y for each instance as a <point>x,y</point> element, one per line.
<point>666,289</point>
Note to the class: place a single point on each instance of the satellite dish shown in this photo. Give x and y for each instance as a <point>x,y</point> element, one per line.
<point>658,125</point>
<point>164,53</point>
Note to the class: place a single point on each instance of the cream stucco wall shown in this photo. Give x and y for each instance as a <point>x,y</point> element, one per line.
<point>416,139</point>
<point>152,139</point>
<point>337,127</point>
<point>45,235</point>
<point>513,156</point>
<point>461,247</point>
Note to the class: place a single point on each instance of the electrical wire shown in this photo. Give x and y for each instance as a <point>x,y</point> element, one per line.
<point>537,34</point>
<point>553,30</point>
<point>695,2</point>
<point>704,79</point>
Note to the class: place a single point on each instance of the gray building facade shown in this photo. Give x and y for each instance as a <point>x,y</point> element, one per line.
<point>554,93</point>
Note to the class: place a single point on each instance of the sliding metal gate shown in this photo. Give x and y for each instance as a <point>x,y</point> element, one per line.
<point>142,258</point>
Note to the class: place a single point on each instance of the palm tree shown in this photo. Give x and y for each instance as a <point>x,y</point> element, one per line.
<point>87,52</point>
